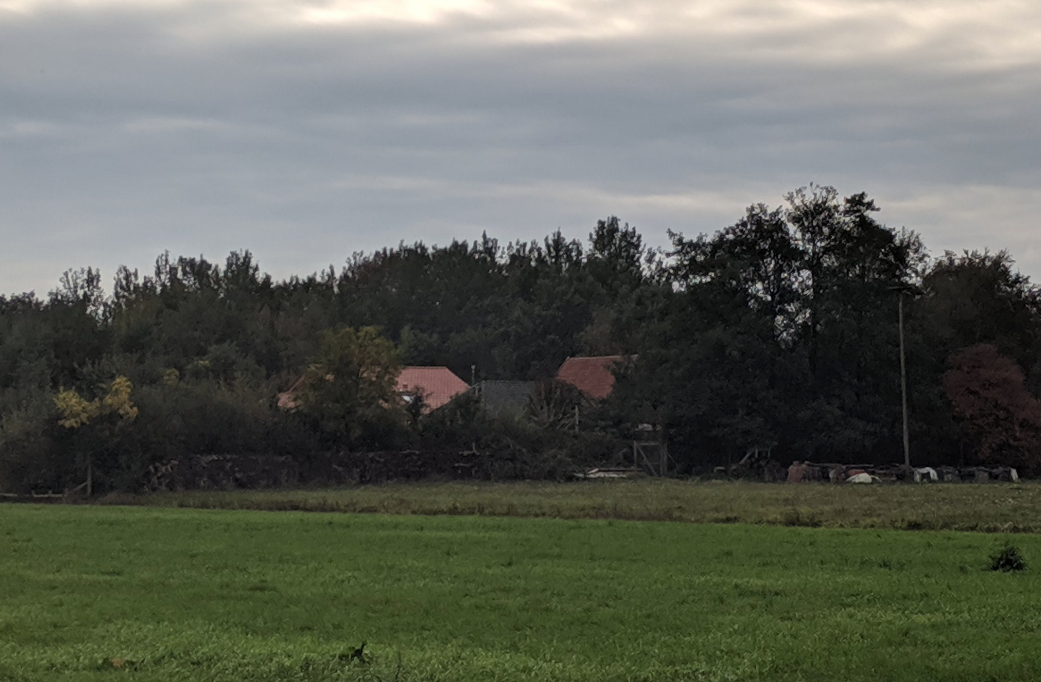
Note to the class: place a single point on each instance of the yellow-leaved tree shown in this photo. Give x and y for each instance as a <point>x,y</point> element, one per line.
<point>97,422</point>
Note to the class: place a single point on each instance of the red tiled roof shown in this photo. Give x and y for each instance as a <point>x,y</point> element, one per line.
<point>437,385</point>
<point>287,399</point>
<point>592,375</point>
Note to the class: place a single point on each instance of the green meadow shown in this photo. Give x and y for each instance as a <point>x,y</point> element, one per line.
<point>139,593</point>
<point>985,508</point>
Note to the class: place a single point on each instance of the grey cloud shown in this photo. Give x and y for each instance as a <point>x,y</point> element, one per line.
<point>202,127</point>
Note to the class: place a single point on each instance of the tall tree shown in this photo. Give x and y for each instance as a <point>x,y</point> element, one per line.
<point>1000,418</point>
<point>350,387</point>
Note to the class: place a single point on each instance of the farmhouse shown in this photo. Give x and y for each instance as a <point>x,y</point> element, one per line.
<point>505,398</point>
<point>288,400</point>
<point>591,375</point>
<point>436,385</point>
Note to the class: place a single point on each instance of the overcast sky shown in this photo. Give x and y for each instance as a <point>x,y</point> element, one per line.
<point>305,130</point>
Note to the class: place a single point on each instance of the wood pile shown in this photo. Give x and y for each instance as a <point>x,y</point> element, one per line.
<point>230,472</point>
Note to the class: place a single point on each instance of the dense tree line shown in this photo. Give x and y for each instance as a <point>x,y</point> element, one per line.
<point>778,332</point>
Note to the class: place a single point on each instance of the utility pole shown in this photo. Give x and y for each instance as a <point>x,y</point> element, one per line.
<point>903,387</point>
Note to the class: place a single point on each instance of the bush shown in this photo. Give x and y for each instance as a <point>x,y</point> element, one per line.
<point>30,458</point>
<point>1008,559</point>
<point>514,448</point>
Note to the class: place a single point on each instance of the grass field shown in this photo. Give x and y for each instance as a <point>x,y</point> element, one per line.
<point>985,508</point>
<point>101,593</point>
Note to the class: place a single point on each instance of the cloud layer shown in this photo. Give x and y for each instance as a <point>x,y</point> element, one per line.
<point>308,130</point>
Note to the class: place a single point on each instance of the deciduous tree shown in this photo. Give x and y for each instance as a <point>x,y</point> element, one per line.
<point>350,387</point>
<point>1000,418</point>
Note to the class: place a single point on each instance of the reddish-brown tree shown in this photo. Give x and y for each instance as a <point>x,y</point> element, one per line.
<point>1000,417</point>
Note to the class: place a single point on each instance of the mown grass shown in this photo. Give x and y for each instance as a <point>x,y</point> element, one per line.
<point>147,594</point>
<point>969,507</point>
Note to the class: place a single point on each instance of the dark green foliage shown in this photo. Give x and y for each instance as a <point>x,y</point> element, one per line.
<point>1008,559</point>
<point>781,333</point>
<point>514,448</point>
<point>776,333</point>
<point>348,391</point>
<point>30,455</point>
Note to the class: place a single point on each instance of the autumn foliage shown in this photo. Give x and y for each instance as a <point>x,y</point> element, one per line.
<point>76,411</point>
<point>1000,418</point>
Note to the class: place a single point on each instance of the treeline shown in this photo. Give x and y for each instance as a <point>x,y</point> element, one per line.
<point>779,332</point>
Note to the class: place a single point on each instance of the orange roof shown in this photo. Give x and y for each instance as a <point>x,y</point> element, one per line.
<point>287,399</point>
<point>591,375</point>
<point>437,385</point>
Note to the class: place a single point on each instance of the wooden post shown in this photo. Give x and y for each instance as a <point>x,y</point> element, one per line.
<point>90,477</point>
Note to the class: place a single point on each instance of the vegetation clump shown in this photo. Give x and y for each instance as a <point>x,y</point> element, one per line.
<point>1008,559</point>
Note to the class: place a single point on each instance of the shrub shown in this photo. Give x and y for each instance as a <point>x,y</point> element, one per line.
<point>1008,559</point>
<point>30,457</point>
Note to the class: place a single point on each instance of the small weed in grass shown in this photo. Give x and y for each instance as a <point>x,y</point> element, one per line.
<point>796,517</point>
<point>910,524</point>
<point>1008,559</point>
<point>116,664</point>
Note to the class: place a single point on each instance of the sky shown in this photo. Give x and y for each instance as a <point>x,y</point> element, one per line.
<point>307,130</point>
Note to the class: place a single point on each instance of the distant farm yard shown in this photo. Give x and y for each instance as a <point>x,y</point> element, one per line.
<point>157,594</point>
